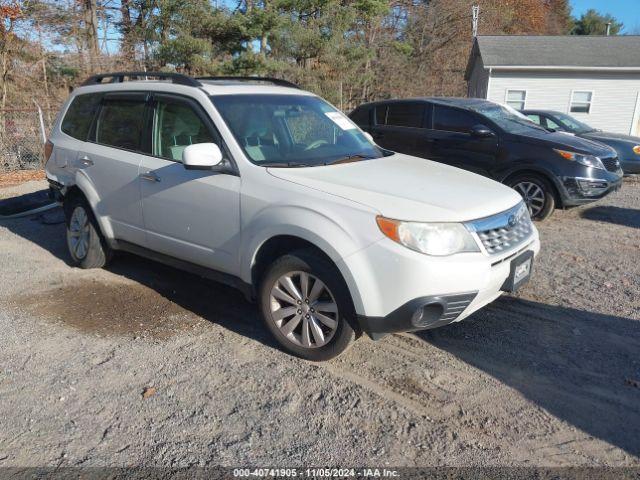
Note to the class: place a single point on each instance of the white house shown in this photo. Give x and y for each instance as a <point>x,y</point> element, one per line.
<point>594,78</point>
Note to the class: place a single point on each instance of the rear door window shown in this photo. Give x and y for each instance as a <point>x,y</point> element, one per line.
<point>121,122</point>
<point>77,121</point>
<point>381,114</point>
<point>360,117</point>
<point>453,119</point>
<point>406,114</point>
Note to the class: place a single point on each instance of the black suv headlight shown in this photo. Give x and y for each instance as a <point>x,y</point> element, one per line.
<point>581,158</point>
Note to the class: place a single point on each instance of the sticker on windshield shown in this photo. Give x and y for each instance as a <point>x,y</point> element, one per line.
<point>339,119</point>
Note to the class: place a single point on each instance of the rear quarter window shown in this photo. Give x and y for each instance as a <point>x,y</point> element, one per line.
<point>79,116</point>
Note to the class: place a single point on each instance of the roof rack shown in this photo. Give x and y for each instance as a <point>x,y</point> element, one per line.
<point>180,79</point>
<point>119,77</point>
<point>274,81</point>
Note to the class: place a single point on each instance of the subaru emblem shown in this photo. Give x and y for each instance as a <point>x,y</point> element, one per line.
<point>512,220</point>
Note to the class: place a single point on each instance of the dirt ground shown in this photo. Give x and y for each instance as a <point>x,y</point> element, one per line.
<point>10,179</point>
<point>141,364</point>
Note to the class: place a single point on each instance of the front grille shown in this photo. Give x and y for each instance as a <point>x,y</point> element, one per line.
<point>504,231</point>
<point>611,164</point>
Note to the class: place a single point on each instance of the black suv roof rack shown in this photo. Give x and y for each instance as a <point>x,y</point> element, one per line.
<point>274,81</point>
<point>119,77</point>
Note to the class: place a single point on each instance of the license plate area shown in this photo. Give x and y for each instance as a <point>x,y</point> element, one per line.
<point>520,272</point>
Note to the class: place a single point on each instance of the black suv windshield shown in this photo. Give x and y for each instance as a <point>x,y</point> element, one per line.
<point>571,124</point>
<point>507,118</point>
<point>293,130</point>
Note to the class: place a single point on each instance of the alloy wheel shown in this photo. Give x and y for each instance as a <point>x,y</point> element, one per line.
<point>304,309</point>
<point>533,196</point>
<point>79,233</point>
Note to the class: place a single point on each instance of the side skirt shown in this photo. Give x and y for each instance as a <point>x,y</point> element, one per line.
<point>219,277</point>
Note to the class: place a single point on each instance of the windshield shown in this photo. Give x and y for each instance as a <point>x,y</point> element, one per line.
<point>571,124</point>
<point>293,130</point>
<point>507,118</point>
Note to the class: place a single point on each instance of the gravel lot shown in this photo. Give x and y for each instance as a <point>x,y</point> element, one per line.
<point>142,364</point>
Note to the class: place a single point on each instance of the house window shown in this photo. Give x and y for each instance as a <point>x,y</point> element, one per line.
<point>581,101</point>
<point>516,99</point>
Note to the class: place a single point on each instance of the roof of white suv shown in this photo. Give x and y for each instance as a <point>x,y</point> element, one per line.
<point>210,85</point>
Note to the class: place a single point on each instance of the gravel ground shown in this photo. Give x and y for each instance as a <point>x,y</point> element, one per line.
<point>141,364</point>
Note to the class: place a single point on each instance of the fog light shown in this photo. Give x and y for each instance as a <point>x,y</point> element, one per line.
<point>427,315</point>
<point>592,188</point>
<point>416,318</point>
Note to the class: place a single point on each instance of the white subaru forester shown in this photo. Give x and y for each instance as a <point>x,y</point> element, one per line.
<point>256,183</point>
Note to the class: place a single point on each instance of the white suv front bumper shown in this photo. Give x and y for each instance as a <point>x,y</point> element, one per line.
<point>389,283</point>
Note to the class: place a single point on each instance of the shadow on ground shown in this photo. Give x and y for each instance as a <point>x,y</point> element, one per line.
<point>579,366</point>
<point>163,291</point>
<point>22,203</point>
<point>628,217</point>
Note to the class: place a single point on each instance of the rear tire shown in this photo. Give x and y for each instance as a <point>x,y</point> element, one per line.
<point>305,304</point>
<point>87,247</point>
<point>537,194</point>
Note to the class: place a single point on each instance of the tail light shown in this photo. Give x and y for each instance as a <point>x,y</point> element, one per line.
<point>48,149</point>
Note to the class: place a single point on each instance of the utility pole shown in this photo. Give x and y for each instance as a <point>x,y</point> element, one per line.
<point>608,28</point>
<point>475,14</point>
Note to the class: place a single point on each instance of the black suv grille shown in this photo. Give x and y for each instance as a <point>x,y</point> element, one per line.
<point>611,164</point>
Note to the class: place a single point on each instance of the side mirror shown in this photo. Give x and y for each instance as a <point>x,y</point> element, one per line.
<point>369,137</point>
<point>201,156</point>
<point>482,131</point>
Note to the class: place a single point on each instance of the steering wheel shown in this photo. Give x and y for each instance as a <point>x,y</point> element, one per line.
<point>316,144</point>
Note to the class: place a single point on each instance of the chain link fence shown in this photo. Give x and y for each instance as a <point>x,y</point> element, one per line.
<point>22,137</point>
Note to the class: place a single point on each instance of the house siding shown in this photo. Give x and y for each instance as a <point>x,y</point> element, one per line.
<point>478,80</point>
<point>614,94</point>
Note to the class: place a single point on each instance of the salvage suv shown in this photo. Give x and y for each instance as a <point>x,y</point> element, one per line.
<point>258,184</point>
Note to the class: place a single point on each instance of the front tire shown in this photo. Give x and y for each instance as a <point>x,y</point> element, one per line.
<point>537,194</point>
<point>306,306</point>
<point>86,245</point>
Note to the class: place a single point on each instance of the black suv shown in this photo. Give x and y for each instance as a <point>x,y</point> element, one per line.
<point>548,169</point>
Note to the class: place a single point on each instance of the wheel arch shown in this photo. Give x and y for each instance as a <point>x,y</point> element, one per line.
<point>83,187</point>
<point>276,245</point>
<point>550,178</point>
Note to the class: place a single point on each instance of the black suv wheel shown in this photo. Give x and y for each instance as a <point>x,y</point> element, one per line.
<point>537,194</point>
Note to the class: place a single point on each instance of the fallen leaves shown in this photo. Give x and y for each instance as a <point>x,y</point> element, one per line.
<point>148,392</point>
<point>17,177</point>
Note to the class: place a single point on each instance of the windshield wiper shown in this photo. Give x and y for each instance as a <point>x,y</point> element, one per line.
<point>350,158</point>
<point>285,164</point>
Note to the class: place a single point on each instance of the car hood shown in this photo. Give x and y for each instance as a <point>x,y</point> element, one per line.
<point>408,188</point>
<point>604,136</point>
<point>567,141</point>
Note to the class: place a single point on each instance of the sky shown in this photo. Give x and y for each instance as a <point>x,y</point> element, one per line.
<point>625,11</point>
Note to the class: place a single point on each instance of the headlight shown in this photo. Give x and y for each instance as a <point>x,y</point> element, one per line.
<point>586,160</point>
<point>636,149</point>
<point>437,239</point>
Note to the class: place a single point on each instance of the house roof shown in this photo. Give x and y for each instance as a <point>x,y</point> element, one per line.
<point>571,52</point>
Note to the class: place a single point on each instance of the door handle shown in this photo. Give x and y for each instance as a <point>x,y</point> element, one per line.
<point>86,161</point>
<point>150,176</point>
